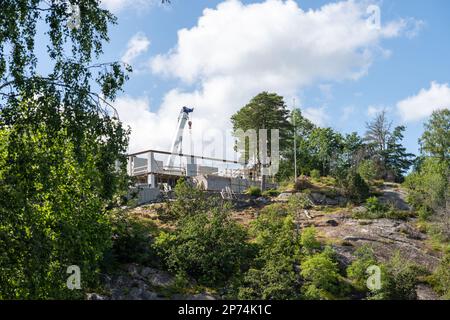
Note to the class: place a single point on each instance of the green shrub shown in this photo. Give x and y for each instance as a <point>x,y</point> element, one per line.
<point>374,205</point>
<point>273,210</point>
<point>374,210</point>
<point>253,191</point>
<point>271,193</point>
<point>440,279</point>
<point>367,169</point>
<point>273,274</point>
<point>315,174</point>
<point>132,241</point>
<point>399,279</point>
<point>427,187</point>
<point>299,201</point>
<point>357,270</point>
<point>321,276</point>
<point>275,280</point>
<point>354,187</point>
<point>209,247</point>
<point>188,200</point>
<point>308,240</point>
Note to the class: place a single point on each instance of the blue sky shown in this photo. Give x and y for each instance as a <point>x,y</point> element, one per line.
<point>339,73</point>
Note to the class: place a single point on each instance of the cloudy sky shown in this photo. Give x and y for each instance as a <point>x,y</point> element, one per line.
<point>340,67</point>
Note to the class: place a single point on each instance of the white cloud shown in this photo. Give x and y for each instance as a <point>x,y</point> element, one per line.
<point>236,51</point>
<point>137,45</point>
<point>317,116</point>
<point>423,104</point>
<point>277,39</point>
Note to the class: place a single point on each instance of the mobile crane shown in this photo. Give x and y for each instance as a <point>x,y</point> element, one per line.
<point>177,143</point>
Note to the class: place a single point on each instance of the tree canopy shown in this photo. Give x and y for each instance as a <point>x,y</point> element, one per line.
<point>61,143</point>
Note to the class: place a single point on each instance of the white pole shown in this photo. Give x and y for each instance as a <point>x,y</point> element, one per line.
<point>295,141</point>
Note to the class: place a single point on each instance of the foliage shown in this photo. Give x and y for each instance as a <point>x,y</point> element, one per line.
<point>275,280</point>
<point>378,132</point>
<point>309,242</point>
<point>374,205</point>
<point>132,240</point>
<point>427,187</point>
<point>273,274</point>
<point>315,174</point>
<point>207,246</point>
<point>61,144</point>
<point>254,191</point>
<point>299,201</point>
<point>52,218</point>
<point>302,128</point>
<point>325,145</point>
<point>397,160</point>
<point>321,275</point>
<point>435,141</point>
<point>271,193</point>
<point>354,187</point>
<point>399,279</point>
<point>367,170</point>
<point>357,270</point>
<point>277,209</point>
<point>264,111</point>
<point>189,200</point>
<point>387,151</point>
<point>440,279</point>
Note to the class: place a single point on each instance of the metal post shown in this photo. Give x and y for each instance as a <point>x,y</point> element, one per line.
<point>295,141</point>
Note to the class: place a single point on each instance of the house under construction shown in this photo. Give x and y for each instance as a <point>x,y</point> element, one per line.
<point>158,171</point>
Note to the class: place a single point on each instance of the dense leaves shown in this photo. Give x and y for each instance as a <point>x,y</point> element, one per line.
<point>62,146</point>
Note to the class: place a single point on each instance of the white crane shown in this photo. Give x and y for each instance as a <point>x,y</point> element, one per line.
<point>177,143</point>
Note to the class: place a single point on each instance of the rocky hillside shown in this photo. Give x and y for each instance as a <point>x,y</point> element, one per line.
<point>342,226</point>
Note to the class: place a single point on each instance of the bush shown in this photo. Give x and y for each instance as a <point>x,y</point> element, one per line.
<point>188,200</point>
<point>253,191</point>
<point>274,210</point>
<point>275,280</point>
<point>132,241</point>
<point>357,270</point>
<point>399,279</point>
<point>440,279</point>
<point>354,187</point>
<point>299,201</point>
<point>374,205</point>
<point>271,193</point>
<point>308,240</point>
<point>273,274</point>
<point>315,174</point>
<point>367,169</point>
<point>427,188</point>
<point>209,247</point>
<point>321,276</point>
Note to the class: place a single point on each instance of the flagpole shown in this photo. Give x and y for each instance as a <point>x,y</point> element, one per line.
<point>295,141</point>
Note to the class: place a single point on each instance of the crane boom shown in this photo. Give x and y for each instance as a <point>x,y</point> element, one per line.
<point>177,142</point>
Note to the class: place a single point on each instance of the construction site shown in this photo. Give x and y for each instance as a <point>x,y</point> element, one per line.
<point>156,172</point>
